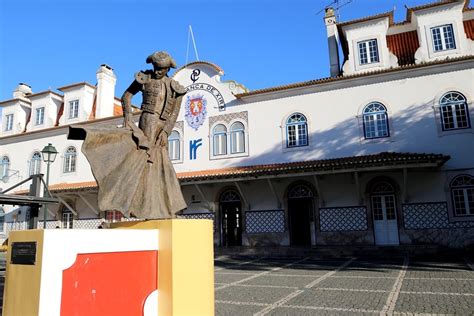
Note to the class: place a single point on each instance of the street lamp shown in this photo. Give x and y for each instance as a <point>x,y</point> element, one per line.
<point>49,155</point>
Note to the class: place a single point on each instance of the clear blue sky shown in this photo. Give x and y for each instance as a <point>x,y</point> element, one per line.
<point>259,43</point>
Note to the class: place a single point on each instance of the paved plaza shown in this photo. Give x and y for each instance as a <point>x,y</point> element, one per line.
<point>350,286</point>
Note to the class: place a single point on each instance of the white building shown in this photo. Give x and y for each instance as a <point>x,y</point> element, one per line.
<point>380,153</point>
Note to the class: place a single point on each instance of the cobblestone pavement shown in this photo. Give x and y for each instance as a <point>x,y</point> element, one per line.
<point>351,286</point>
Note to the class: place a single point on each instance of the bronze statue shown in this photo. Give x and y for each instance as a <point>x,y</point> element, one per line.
<point>131,164</point>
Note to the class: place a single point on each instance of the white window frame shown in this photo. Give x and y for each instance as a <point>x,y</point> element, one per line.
<point>218,138</point>
<point>229,153</point>
<point>35,164</point>
<point>4,167</point>
<point>299,139</point>
<point>73,109</point>
<point>451,107</point>
<point>366,46</point>
<point>9,120</point>
<point>177,141</point>
<point>70,160</point>
<point>39,115</point>
<point>67,219</point>
<point>376,119</point>
<point>234,133</point>
<point>463,189</point>
<point>443,38</point>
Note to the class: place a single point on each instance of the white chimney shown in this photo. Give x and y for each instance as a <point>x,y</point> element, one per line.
<point>333,41</point>
<point>22,91</point>
<point>105,92</point>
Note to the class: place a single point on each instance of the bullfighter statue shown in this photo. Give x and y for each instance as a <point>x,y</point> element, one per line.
<point>131,164</point>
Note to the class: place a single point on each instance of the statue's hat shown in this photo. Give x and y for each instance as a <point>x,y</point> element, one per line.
<point>161,59</point>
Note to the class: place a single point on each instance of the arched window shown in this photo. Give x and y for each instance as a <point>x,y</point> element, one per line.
<point>237,138</point>
<point>35,164</point>
<point>4,167</point>
<point>219,136</point>
<point>462,193</point>
<point>300,191</point>
<point>229,196</point>
<point>174,148</point>
<point>296,130</point>
<point>70,159</point>
<point>454,111</point>
<point>375,121</point>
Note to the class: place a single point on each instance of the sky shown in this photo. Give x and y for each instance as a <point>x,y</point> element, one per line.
<point>258,43</point>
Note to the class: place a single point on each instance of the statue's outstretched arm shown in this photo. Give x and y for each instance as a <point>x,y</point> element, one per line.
<point>133,89</point>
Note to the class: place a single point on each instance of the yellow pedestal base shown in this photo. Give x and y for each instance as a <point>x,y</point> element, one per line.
<point>185,265</point>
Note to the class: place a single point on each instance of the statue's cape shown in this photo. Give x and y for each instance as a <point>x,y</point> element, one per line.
<point>127,181</point>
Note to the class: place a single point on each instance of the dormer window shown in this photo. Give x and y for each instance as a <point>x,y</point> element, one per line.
<point>368,52</point>
<point>443,37</point>
<point>73,109</point>
<point>8,122</point>
<point>39,119</point>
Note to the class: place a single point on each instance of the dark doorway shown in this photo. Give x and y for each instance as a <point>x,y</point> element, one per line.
<point>231,218</point>
<point>300,210</point>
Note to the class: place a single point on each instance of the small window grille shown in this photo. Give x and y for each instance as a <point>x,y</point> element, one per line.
<point>230,196</point>
<point>300,191</point>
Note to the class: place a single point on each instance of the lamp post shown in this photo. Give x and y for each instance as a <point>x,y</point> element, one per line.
<point>49,155</point>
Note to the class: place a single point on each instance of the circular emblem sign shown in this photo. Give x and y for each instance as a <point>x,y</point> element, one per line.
<point>195,110</point>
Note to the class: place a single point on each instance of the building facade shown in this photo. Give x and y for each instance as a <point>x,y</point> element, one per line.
<point>380,153</point>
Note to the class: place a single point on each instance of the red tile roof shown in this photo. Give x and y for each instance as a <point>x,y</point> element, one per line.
<point>378,161</point>
<point>404,46</point>
<point>347,77</point>
<point>383,159</point>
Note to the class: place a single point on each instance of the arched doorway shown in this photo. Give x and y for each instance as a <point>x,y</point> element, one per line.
<point>300,214</point>
<point>231,218</point>
<point>384,211</point>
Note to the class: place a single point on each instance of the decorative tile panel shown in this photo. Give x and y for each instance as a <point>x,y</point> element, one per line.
<point>429,215</point>
<point>271,221</point>
<point>340,219</point>
<point>227,118</point>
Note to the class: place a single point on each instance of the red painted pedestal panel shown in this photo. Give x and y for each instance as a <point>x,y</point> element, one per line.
<point>118,283</point>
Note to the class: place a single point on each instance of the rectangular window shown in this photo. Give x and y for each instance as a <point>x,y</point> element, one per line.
<point>73,109</point>
<point>237,142</point>
<point>173,149</point>
<point>67,219</point>
<point>454,116</point>
<point>220,144</point>
<point>113,216</point>
<point>443,38</point>
<point>39,120</point>
<point>8,122</point>
<point>368,52</point>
